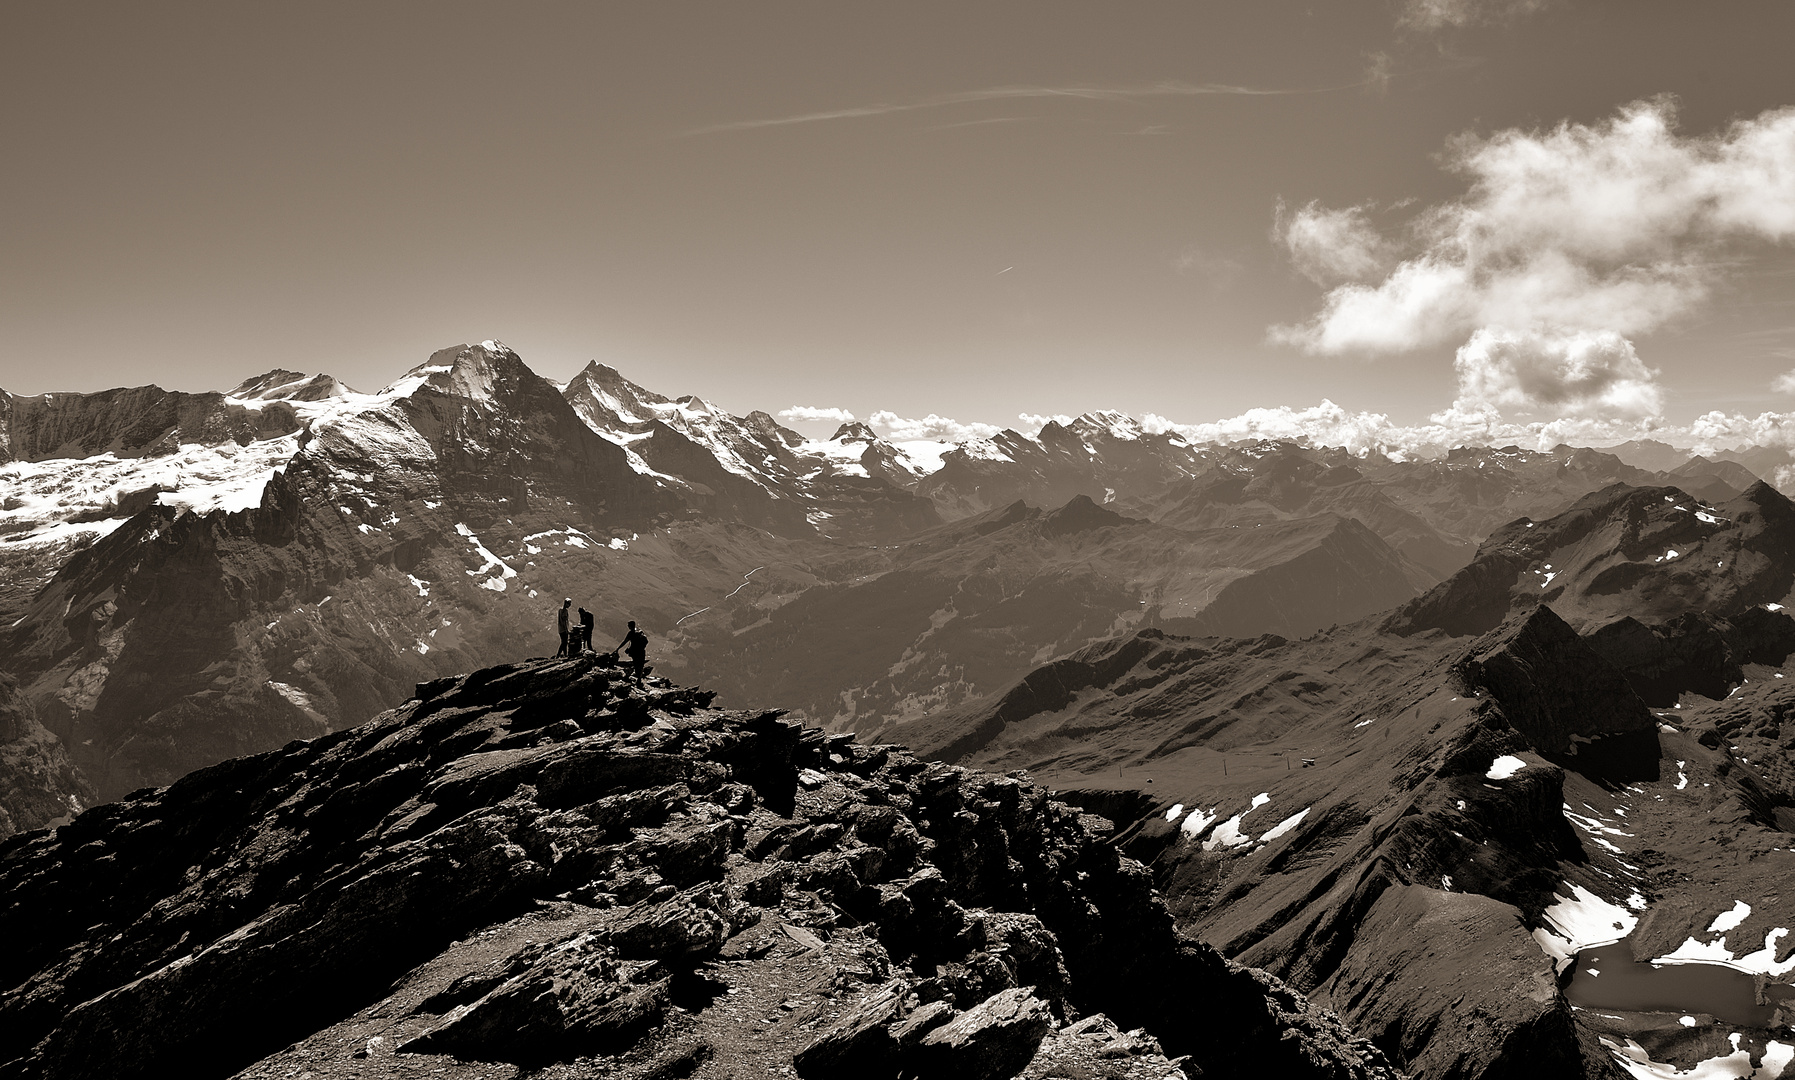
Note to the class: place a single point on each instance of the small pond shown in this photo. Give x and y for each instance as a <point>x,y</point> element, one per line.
<point>1626,985</point>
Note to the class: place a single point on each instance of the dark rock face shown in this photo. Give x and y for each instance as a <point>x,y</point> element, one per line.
<point>1695,652</point>
<point>685,852</point>
<point>1552,686</point>
<point>39,785</point>
<point>135,422</point>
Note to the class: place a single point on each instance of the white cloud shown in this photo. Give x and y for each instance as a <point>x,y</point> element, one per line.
<point>930,428</point>
<point>1032,423</point>
<point>811,413</point>
<point>1578,374</point>
<point>1332,246</point>
<point>1444,14</point>
<point>1784,383</point>
<point>1619,226</point>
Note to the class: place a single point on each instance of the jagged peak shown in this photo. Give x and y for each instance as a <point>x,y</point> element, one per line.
<point>854,431</point>
<point>469,371</point>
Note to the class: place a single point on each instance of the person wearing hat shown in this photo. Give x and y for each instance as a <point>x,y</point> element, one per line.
<point>562,619</point>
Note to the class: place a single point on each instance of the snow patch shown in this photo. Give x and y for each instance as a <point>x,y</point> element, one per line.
<point>1197,821</point>
<point>1580,921</point>
<point>1504,767</point>
<point>1728,920</point>
<point>1286,825</point>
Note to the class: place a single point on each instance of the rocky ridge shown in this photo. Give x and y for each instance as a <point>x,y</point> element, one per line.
<point>545,866</point>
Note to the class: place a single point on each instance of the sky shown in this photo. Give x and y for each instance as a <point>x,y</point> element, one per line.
<point>1454,216</point>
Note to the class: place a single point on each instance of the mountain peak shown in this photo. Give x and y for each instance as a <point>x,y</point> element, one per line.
<point>854,431</point>
<point>283,385</point>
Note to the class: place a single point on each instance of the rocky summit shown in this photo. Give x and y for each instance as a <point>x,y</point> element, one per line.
<point>544,867</point>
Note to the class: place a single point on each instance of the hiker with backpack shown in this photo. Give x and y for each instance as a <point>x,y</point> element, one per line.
<point>584,642</point>
<point>635,646</point>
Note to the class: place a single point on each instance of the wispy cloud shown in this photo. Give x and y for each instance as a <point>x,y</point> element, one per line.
<point>1455,14</point>
<point>1119,94</point>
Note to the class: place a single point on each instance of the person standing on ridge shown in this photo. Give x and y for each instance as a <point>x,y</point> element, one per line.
<point>561,618</point>
<point>635,644</point>
<point>584,643</point>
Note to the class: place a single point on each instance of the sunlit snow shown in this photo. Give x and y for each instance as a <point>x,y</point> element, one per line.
<point>1285,826</point>
<point>1504,767</point>
<point>1580,921</point>
<point>1737,1065</point>
<point>1727,920</point>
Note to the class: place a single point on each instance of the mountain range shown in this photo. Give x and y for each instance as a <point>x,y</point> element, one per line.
<point>1414,744</point>
<point>191,577</point>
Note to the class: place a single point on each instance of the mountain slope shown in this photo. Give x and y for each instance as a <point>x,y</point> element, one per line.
<point>1424,829</point>
<point>958,612</point>
<point>541,863</point>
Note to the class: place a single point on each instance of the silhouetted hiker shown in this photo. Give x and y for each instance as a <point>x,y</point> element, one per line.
<point>635,643</point>
<point>561,620</point>
<point>585,643</point>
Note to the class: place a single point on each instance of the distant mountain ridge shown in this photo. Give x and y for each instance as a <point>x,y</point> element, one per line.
<point>215,574</point>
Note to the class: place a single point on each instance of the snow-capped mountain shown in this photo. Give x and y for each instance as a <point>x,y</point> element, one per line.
<point>192,576</point>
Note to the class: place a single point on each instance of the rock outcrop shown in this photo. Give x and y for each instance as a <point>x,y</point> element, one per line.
<point>544,862</point>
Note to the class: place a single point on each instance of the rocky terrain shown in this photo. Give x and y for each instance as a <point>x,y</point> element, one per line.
<point>1425,820</point>
<point>546,869</point>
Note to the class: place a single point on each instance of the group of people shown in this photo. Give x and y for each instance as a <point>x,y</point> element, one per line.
<point>576,637</point>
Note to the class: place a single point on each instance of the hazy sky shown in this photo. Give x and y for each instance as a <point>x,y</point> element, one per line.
<point>976,210</point>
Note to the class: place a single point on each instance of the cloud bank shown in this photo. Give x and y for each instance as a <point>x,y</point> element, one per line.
<point>803,413</point>
<point>930,428</point>
<point>1618,226</point>
<point>1567,243</point>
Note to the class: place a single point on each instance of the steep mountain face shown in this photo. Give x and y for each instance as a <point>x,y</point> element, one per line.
<point>1646,553</point>
<point>136,422</point>
<point>750,468</point>
<point>39,786</point>
<point>179,639</point>
<point>1434,828</point>
<point>956,613</point>
<point>544,863</point>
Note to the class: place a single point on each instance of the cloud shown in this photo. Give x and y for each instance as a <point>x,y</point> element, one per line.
<point>1032,423</point>
<point>1620,226</point>
<point>1332,246</point>
<point>1577,374</point>
<point>807,412</point>
<point>1454,14</point>
<point>1784,383</point>
<point>930,428</point>
<point>1169,89</point>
